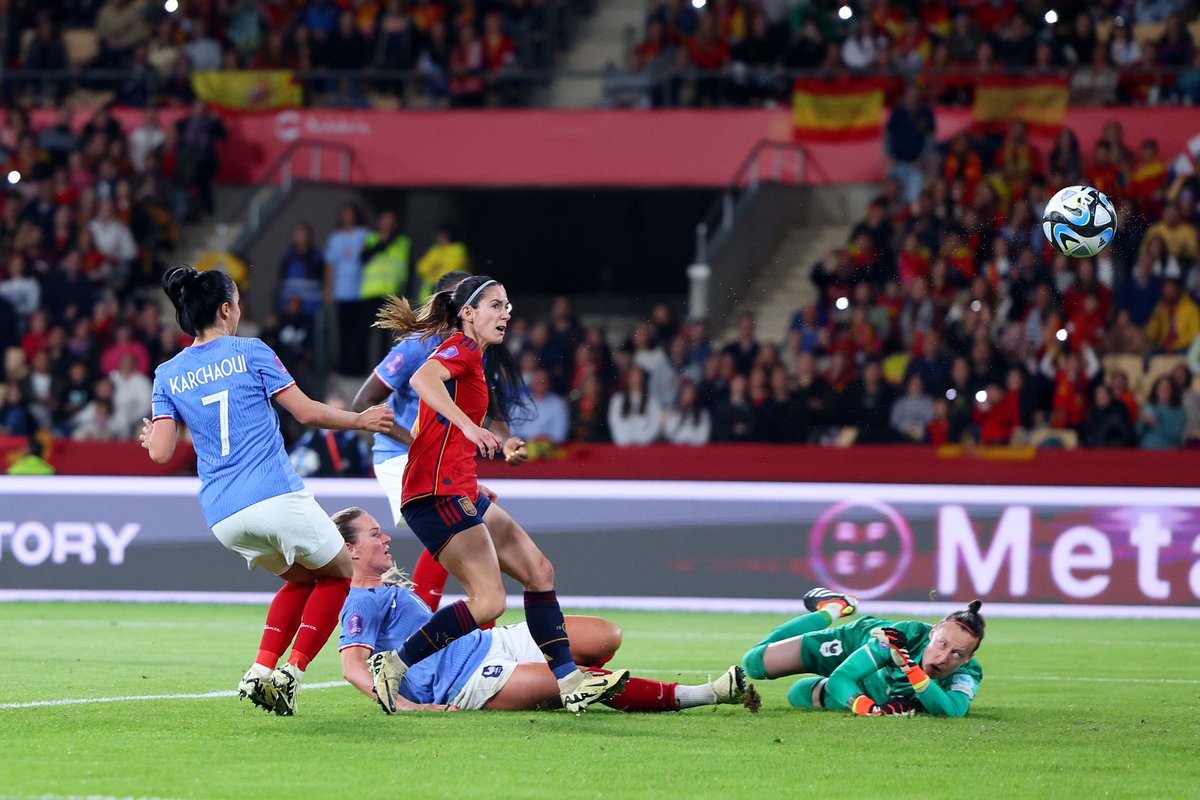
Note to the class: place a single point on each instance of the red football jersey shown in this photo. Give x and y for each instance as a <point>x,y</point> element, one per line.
<point>441,459</point>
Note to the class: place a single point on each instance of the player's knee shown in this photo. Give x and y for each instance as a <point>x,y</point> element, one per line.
<point>541,577</point>
<point>487,606</point>
<point>752,662</point>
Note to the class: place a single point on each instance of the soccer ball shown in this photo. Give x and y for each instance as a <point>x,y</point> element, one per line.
<point>1079,221</point>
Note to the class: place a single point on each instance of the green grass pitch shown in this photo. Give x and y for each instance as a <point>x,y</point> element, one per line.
<point>1068,708</point>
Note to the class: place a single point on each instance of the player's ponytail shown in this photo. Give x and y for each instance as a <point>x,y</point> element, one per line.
<point>437,315</point>
<point>197,296</point>
<point>971,620</point>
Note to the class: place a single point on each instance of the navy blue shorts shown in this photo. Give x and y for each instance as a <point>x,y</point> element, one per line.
<point>437,518</point>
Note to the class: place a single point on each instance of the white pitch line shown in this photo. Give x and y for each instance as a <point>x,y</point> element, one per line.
<point>334,684</point>
<point>74,701</point>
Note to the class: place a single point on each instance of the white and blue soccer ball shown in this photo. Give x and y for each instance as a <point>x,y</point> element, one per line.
<point>1079,221</point>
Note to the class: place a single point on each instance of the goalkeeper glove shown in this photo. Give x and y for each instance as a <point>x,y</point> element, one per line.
<point>896,643</point>
<point>898,706</point>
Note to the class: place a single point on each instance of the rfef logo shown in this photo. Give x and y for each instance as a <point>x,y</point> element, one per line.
<point>861,548</point>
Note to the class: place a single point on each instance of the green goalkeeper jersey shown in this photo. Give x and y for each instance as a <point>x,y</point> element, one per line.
<point>856,662</point>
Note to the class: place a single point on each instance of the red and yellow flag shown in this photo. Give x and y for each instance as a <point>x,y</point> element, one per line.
<point>837,108</point>
<point>248,89</point>
<point>1039,100</point>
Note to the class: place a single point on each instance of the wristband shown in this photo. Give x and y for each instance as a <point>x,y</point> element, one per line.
<point>862,705</point>
<point>918,678</point>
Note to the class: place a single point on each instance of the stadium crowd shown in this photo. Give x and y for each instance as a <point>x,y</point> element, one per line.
<point>728,52</point>
<point>464,53</point>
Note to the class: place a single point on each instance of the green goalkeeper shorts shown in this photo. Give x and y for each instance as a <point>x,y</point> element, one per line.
<point>823,651</point>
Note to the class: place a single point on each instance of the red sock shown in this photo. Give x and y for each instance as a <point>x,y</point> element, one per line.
<point>643,694</point>
<point>429,579</point>
<point>320,618</point>
<point>283,620</point>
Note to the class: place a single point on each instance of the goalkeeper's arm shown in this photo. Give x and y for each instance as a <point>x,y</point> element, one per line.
<point>934,698</point>
<point>844,687</point>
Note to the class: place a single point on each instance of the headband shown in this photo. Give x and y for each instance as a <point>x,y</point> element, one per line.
<point>475,294</point>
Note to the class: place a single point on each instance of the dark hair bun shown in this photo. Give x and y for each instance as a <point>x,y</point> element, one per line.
<point>974,606</point>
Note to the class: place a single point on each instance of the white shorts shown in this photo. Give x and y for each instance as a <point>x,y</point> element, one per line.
<point>281,531</point>
<point>511,645</point>
<point>390,475</point>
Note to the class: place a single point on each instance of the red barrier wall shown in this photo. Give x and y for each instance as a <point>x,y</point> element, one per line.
<point>737,462</point>
<point>865,464</point>
<point>102,458</point>
<point>588,148</point>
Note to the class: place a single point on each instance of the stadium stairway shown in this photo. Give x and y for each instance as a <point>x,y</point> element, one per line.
<point>601,41</point>
<point>783,285</point>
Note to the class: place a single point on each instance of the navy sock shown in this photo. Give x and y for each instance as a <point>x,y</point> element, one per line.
<point>449,623</point>
<point>549,631</point>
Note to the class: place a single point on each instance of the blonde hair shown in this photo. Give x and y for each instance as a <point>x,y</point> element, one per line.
<point>344,520</point>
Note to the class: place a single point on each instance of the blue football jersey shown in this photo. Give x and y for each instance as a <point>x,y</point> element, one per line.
<point>383,617</point>
<point>396,370</point>
<point>222,391</point>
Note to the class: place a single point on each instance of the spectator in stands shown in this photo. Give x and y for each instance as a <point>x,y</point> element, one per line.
<point>589,410</point>
<point>1175,47</point>
<point>385,261</point>
<point>744,349</point>
<point>1178,234</point>
<point>1071,374</point>
<point>131,396</point>
<point>324,453</point>
<point>1141,291</point>
<point>733,417</point>
<point>46,51</point>
<point>20,289</point>
<point>1189,398</point>
<point>1124,337</point>
<point>912,412</point>
<point>120,26</point>
<point>343,287</point>
<point>302,271</point>
<point>866,405</point>
<point>15,416</point>
<point>552,416</point>
<point>114,241</point>
<point>1096,83</point>
<point>687,421</point>
<point>909,134</point>
<point>1108,423</point>
<point>1175,321</point>
<point>123,344</point>
<point>1161,420</point>
<point>634,416</point>
<point>72,392</point>
<point>446,254</point>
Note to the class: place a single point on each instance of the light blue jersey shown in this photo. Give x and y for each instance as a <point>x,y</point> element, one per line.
<point>222,391</point>
<point>396,370</point>
<point>383,617</point>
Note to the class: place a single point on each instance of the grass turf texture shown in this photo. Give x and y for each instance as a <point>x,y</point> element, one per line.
<point>1076,708</point>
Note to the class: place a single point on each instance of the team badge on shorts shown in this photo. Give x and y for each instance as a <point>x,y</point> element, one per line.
<point>467,506</point>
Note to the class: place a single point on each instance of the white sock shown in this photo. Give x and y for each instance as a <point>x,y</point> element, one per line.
<point>566,681</point>
<point>260,671</point>
<point>299,672</point>
<point>692,696</point>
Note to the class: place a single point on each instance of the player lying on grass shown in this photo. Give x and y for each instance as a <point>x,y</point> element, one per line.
<point>501,668</point>
<point>872,665</point>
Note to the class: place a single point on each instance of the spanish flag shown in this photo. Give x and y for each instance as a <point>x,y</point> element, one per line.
<point>248,89</point>
<point>1039,100</point>
<point>837,108</point>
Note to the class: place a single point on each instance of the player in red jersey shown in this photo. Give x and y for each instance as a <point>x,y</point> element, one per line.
<point>442,503</point>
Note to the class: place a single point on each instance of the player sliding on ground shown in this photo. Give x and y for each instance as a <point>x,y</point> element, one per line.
<point>472,537</point>
<point>499,669</point>
<point>221,387</point>
<point>873,666</point>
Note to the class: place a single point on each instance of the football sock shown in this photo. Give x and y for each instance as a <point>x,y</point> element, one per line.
<point>549,631</point>
<point>319,619</point>
<point>692,696</point>
<point>261,671</point>
<point>429,579</point>
<point>283,620</point>
<point>752,661</point>
<point>801,693</point>
<point>449,623</point>
<point>644,694</point>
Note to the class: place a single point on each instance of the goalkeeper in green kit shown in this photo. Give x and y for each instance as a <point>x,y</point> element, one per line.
<point>873,666</point>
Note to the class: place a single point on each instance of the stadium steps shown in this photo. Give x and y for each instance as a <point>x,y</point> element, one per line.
<point>600,42</point>
<point>783,285</point>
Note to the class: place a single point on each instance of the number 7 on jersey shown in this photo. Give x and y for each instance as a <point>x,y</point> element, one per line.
<point>221,398</point>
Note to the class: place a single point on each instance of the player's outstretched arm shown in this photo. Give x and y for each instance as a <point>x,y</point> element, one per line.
<point>429,382</point>
<point>938,701</point>
<point>377,419</point>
